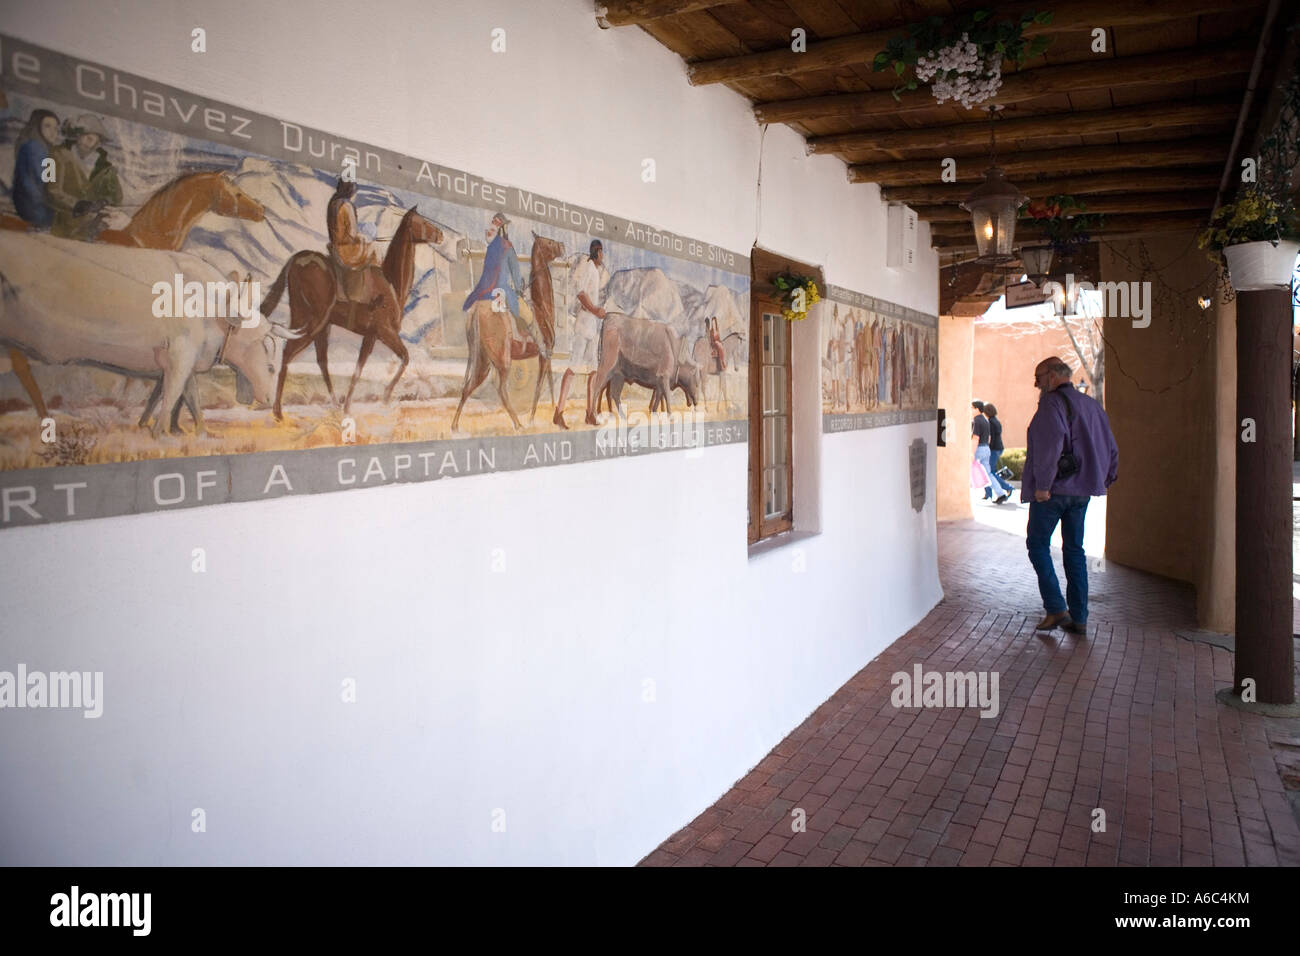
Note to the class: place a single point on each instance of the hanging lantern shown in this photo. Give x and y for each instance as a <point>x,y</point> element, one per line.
<point>1037,261</point>
<point>993,206</point>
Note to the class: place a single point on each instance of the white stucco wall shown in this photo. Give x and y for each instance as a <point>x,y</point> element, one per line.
<point>521,690</point>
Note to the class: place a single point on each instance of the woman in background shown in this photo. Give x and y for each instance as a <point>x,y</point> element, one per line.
<point>995,451</point>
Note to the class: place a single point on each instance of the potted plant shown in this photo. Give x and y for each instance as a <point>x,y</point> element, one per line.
<point>961,57</point>
<point>797,293</point>
<point>1258,234</point>
<point>1259,238</point>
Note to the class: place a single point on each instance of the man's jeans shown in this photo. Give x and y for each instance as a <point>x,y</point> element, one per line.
<point>995,456</point>
<point>982,456</point>
<point>1069,510</point>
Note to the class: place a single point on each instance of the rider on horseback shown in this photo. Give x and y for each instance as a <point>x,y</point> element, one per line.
<point>356,263</point>
<point>85,181</point>
<point>501,273</point>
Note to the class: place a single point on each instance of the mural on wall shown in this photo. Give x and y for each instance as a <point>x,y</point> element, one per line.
<point>880,362</point>
<point>199,304</point>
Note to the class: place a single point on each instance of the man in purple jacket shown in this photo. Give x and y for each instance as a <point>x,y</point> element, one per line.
<point>1064,414</point>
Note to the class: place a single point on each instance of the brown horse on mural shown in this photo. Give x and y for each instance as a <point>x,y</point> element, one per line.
<point>167,216</point>
<point>315,304</point>
<point>163,222</point>
<point>542,293</point>
<point>492,346</point>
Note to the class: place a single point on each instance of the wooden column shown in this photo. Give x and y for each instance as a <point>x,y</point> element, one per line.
<point>1264,617</point>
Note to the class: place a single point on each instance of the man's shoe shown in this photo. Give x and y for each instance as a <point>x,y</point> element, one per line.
<point>1053,621</point>
<point>1074,627</point>
<point>1004,496</point>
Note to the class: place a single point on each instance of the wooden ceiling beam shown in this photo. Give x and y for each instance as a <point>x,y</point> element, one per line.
<point>624,13</point>
<point>1076,159</point>
<point>861,48</point>
<point>1126,119</point>
<point>1173,66</point>
<point>950,236</point>
<point>1106,205</point>
<point>1089,184</point>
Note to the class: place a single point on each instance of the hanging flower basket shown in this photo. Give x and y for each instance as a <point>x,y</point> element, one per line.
<point>798,294</point>
<point>1065,220</point>
<point>1261,265</point>
<point>961,57</point>
<point>1257,237</point>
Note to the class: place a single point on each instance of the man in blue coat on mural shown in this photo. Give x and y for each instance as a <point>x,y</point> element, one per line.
<point>501,271</point>
<point>1058,488</point>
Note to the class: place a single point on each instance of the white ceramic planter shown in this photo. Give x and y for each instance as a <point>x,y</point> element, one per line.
<point>1253,266</point>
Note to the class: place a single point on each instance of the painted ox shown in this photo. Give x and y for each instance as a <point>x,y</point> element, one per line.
<point>75,303</point>
<point>648,293</point>
<point>644,352</point>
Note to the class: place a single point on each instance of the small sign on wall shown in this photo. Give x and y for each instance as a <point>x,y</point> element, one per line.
<point>1024,293</point>
<point>916,458</point>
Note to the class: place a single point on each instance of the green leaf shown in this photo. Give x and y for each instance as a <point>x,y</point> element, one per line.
<point>881,60</point>
<point>1000,47</point>
<point>899,68</point>
<point>911,84</point>
<point>980,15</point>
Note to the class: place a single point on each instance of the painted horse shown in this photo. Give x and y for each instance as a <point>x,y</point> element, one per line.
<point>315,304</point>
<point>163,222</point>
<point>493,346</point>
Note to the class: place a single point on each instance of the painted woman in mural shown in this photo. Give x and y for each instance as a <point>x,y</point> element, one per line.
<point>32,149</point>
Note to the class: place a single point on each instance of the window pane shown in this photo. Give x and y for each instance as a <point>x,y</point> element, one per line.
<point>769,326</point>
<point>776,498</point>
<point>781,483</point>
<point>780,332</point>
<point>774,390</point>
<point>774,440</point>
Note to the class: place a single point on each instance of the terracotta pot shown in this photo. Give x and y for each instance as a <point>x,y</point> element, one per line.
<point>1253,266</point>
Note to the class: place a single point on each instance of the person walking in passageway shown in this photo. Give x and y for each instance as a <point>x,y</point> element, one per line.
<point>995,453</point>
<point>1071,456</point>
<point>979,430</point>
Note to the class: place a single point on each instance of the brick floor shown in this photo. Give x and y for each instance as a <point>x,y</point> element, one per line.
<point>1122,721</point>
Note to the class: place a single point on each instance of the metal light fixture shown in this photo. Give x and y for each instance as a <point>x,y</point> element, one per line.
<point>994,205</point>
<point>1037,261</point>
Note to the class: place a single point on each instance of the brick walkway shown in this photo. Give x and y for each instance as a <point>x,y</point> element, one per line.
<point>1124,720</point>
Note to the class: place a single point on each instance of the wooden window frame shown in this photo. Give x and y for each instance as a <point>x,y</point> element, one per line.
<point>762,527</point>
